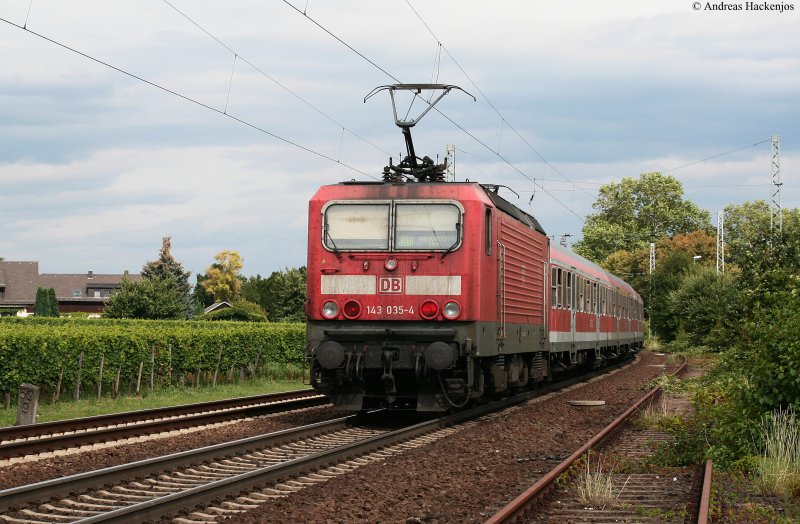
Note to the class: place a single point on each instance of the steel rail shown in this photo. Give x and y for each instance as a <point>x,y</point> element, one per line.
<point>705,496</point>
<point>201,495</point>
<point>63,486</point>
<point>516,508</point>
<point>49,436</point>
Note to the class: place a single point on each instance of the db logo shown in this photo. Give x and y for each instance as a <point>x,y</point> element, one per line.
<point>390,285</point>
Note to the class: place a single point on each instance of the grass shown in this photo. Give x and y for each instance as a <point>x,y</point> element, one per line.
<point>654,414</point>
<point>778,470</point>
<point>595,486</point>
<point>167,396</point>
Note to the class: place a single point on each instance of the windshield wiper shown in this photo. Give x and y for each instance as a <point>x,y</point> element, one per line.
<point>455,244</point>
<point>329,237</point>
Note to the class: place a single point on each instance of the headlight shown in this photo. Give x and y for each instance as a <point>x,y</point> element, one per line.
<point>451,310</point>
<point>390,264</point>
<point>330,310</point>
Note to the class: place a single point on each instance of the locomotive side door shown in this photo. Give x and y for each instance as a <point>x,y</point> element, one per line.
<point>501,289</point>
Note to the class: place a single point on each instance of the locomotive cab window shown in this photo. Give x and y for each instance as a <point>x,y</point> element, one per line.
<point>427,226</point>
<point>356,226</point>
<point>392,226</point>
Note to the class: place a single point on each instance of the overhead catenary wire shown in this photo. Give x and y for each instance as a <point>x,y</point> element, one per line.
<point>270,77</point>
<point>718,155</point>
<point>488,101</point>
<point>187,98</point>
<point>351,48</point>
<point>449,119</point>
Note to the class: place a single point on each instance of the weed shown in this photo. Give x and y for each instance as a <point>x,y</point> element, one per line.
<point>778,471</point>
<point>596,486</point>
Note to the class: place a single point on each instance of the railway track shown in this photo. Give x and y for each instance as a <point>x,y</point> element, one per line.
<point>20,441</point>
<point>681,495</point>
<point>176,485</point>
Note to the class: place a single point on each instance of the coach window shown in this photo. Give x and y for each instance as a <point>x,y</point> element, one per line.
<point>588,296</point>
<point>427,226</point>
<point>584,297</point>
<point>560,290</point>
<point>579,294</point>
<point>569,290</point>
<point>603,290</point>
<point>554,286</point>
<point>356,226</point>
<point>614,303</point>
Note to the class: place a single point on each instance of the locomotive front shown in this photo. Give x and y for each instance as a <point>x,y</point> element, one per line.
<point>393,286</point>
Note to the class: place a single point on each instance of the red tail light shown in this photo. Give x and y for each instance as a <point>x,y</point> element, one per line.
<point>429,309</point>
<point>352,309</point>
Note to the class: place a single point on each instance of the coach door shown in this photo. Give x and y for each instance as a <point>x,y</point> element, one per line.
<point>596,310</point>
<point>572,303</point>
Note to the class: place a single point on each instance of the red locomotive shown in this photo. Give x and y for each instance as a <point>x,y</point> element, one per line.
<point>428,294</point>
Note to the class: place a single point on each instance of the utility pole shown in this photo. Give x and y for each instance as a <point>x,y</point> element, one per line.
<point>451,162</point>
<point>776,214</point>
<point>720,242</point>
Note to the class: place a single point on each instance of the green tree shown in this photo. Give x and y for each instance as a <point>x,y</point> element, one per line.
<point>167,268</point>
<point>222,278</point>
<point>51,296</point>
<point>257,289</point>
<point>152,299</point>
<point>748,225</point>
<point>46,304</point>
<point>707,307</point>
<point>636,211</point>
<point>666,278</point>
<point>282,295</point>
<point>201,298</point>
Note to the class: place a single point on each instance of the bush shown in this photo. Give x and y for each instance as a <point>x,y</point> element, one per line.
<point>38,351</point>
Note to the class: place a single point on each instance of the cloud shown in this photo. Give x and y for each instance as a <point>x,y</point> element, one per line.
<point>96,166</point>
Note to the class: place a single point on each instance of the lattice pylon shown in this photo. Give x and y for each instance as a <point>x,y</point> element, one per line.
<point>776,214</point>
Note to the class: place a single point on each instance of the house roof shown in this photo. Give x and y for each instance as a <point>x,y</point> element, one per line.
<point>65,284</point>
<point>216,305</point>
<point>20,280</point>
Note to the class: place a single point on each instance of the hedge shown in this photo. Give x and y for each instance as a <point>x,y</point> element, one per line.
<point>46,351</point>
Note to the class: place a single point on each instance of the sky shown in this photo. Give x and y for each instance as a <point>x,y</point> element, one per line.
<point>218,121</point>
